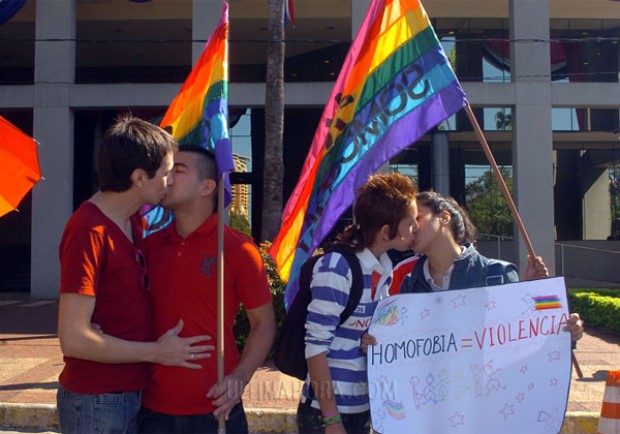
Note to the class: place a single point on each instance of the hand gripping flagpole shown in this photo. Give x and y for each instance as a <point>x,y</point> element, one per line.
<point>221,209</point>
<point>509,201</point>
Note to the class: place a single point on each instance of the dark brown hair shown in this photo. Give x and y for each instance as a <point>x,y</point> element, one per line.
<point>131,144</point>
<point>383,200</point>
<point>463,230</point>
<point>207,167</point>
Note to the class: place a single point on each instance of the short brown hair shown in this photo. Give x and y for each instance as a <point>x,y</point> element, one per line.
<point>130,144</point>
<point>207,166</point>
<point>383,200</point>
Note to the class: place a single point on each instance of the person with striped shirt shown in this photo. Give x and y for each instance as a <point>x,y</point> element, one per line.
<point>335,394</point>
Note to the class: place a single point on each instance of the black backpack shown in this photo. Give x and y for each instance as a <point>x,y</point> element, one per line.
<point>290,355</point>
<point>495,271</point>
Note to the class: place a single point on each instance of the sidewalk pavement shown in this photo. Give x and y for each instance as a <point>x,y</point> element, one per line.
<point>30,361</point>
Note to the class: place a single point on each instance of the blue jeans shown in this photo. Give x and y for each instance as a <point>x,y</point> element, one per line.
<point>108,413</point>
<point>152,422</point>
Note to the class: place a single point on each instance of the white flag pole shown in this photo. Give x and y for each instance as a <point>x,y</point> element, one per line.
<point>221,428</point>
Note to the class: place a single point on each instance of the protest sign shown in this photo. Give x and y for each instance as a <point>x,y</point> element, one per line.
<point>480,360</point>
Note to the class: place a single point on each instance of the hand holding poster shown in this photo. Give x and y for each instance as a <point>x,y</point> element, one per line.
<point>480,360</point>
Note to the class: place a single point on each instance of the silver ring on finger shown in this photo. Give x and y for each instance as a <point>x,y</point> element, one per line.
<point>191,356</point>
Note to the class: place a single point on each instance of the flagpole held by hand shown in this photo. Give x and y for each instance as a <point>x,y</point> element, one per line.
<point>221,427</point>
<point>509,201</point>
<point>500,179</point>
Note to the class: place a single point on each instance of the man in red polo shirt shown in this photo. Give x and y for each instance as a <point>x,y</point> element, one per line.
<point>103,281</point>
<point>182,265</point>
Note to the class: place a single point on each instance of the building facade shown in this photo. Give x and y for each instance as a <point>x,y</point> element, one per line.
<point>541,75</point>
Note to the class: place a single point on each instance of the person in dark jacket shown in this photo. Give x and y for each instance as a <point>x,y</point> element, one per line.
<point>447,259</point>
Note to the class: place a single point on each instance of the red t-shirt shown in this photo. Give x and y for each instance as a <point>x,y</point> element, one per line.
<point>183,276</point>
<point>98,260</point>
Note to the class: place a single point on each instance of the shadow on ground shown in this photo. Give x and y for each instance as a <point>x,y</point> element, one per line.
<point>17,319</point>
<point>51,385</point>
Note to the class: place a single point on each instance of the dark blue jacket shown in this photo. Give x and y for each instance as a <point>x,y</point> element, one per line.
<point>471,270</point>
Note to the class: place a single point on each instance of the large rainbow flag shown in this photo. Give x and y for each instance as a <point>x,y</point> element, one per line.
<point>395,85</point>
<point>199,113</point>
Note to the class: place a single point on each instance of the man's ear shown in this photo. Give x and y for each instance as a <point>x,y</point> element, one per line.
<point>209,187</point>
<point>138,176</point>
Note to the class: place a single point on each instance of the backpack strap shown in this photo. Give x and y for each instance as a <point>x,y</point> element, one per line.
<point>495,271</point>
<point>357,284</point>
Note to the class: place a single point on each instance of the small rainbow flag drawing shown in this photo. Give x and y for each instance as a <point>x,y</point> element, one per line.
<point>545,302</point>
<point>395,409</point>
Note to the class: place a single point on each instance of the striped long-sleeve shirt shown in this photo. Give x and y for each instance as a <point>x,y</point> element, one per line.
<point>331,284</point>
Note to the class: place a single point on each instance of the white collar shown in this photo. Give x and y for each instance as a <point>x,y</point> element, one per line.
<point>445,281</point>
<point>382,265</point>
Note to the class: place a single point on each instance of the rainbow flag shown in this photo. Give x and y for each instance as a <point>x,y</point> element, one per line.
<point>289,13</point>
<point>395,85</point>
<point>545,302</point>
<point>199,113</point>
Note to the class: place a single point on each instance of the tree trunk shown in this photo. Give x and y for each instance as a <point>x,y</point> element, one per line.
<point>274,123</point>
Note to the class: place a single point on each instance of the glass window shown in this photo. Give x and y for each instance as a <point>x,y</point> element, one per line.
<point>128,42</point>
<point>406,162</point>
<point>478,48</point>
<point>241,139</point>
<point>17,36</point>
<point>241,142</point>
<point>584,119</point>
<point>585,50</point>
<point>564,119</point>
<point>497,119</point>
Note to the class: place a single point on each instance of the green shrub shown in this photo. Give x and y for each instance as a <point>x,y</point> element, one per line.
<point>598,307</point>
<point>240,222</point>
<point>242,325</point>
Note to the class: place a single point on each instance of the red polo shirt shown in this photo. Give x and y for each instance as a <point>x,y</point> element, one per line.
<point>183,273</point>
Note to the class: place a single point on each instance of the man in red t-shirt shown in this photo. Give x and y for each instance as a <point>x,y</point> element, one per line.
<point>104,321</point>
<point>182,262</point>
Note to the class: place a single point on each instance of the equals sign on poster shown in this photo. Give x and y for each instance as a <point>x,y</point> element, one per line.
<point>466,343</point>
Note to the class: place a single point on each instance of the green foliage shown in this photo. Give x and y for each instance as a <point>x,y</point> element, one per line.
<point>486,205</point>
<point>240,223</point>
<point>451,55</point>
<point>607,292</point>
<point>242,325</point>
<point>598,307</point>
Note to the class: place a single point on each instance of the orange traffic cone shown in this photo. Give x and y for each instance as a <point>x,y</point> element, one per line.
<point>609,422</point>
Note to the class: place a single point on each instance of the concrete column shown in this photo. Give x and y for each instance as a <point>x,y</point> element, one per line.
<point>457,175</point>
<point>441,162</point>
<point>53,128</point>
<point>205,15</point>
<point>532,148</point>
<point>358,12</point>
<point>596,218</point>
